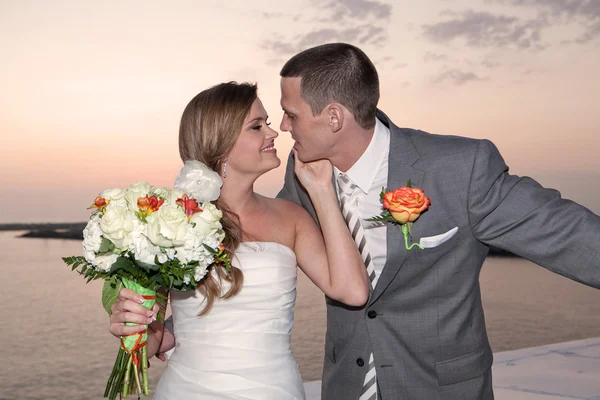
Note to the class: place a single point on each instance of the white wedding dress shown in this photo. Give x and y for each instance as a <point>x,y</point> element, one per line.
<point>241,348</point>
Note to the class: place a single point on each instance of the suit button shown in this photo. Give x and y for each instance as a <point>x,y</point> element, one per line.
<point>360,362</point>
<point>372,314</point>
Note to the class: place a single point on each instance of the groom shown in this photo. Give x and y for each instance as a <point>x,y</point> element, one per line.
<point>422,333</point>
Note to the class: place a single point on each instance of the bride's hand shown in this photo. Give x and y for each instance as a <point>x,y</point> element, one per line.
<point>128,308</point>
<point>314,174</point>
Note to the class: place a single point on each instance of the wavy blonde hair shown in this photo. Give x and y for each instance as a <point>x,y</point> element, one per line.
<point>210,125</point>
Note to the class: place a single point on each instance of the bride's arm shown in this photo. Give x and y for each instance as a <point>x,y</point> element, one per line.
<point>128,308</point>
<point>331,259</point>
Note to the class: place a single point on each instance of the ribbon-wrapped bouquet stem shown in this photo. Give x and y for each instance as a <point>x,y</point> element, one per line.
<point>151,239</point>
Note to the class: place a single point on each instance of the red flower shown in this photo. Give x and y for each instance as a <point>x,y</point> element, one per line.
<point>189,205</point>
<point>148,205</point>
<point>100,203</point>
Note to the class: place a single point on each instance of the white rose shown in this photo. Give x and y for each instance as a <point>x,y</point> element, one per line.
<point>146,252</point>
<point>143,250</point>
<point>175,194</point>
<point>201,182</point>
<point>115,195</point>
<point>104,262</point>
<point>134,192</point>
<point>161,192</point>
<point>208,222</point>
<point>117,225</point>
<point>167,226</point>
<point>92,238</point>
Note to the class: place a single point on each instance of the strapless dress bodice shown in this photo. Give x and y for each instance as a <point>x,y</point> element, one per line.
<point>241,348</point>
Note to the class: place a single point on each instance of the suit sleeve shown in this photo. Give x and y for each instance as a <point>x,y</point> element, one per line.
<point>518,215</point>
<point>289,190</point>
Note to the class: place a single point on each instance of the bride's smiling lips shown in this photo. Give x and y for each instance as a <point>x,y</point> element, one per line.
<point>269,149</point>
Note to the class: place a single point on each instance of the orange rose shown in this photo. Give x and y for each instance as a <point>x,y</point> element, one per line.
<point>406,204</point>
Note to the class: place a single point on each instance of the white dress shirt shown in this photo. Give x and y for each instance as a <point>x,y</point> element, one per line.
<point>370,174</point>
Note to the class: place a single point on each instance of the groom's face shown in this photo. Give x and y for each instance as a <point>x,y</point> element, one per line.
<point>312,136</point>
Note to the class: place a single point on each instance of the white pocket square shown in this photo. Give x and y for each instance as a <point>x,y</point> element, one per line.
<point>434,241</point>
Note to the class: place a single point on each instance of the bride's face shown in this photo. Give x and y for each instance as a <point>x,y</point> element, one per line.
<point>254,151</point>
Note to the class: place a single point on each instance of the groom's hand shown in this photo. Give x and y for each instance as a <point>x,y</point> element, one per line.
<point>314,174</point>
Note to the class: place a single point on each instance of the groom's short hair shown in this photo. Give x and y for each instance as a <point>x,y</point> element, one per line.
<point>337,72</point>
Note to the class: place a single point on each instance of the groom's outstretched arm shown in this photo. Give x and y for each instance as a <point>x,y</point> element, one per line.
<point>519,215</point>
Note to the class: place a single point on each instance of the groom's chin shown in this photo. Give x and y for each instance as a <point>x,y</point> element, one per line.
<point>302,156</point>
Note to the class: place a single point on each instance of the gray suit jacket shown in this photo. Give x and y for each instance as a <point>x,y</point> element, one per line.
<point>424,320</point>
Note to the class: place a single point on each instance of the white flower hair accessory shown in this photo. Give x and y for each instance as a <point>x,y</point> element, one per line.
<point>201,182</point>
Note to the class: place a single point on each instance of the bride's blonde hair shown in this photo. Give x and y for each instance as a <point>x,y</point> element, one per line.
<point>210,125</point>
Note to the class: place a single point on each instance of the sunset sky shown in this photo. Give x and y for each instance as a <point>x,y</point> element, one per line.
<point>92,92</point>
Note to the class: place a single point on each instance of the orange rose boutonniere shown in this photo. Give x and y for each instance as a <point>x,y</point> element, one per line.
<point>403,206</point>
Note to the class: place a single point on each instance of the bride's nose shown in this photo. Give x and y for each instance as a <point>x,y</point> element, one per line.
<point>271,133</point>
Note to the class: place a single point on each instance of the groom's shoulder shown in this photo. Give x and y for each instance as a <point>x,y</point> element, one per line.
<point>437,144</point>
<point>426,142</point>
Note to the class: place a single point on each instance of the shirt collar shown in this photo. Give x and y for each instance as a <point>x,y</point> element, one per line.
<point>364,171</point>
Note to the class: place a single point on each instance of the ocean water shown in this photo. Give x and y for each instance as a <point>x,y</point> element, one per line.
<point>56,343</point>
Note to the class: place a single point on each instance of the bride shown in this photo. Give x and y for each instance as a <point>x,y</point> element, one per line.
<point>233,333</point>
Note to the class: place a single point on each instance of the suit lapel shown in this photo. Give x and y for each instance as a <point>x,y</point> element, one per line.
<point>401,158</point>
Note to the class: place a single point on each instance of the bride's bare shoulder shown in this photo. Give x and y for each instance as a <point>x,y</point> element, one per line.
<point>280,220</point>
<point>287,209</point>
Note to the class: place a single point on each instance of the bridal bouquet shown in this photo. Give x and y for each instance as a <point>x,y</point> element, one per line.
<point>151,239</point>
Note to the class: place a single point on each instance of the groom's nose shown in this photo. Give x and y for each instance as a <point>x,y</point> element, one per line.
<point>285,125</point>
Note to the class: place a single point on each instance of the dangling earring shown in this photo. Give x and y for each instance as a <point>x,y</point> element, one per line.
<point>225,169</point>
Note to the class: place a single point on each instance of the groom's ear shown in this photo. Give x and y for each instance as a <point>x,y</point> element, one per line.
<point>335,114</point>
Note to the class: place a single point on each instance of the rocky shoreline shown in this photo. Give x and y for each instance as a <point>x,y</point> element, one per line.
<point>72,231</point>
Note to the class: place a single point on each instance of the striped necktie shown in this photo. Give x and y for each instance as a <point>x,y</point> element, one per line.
<point>349,205</point>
